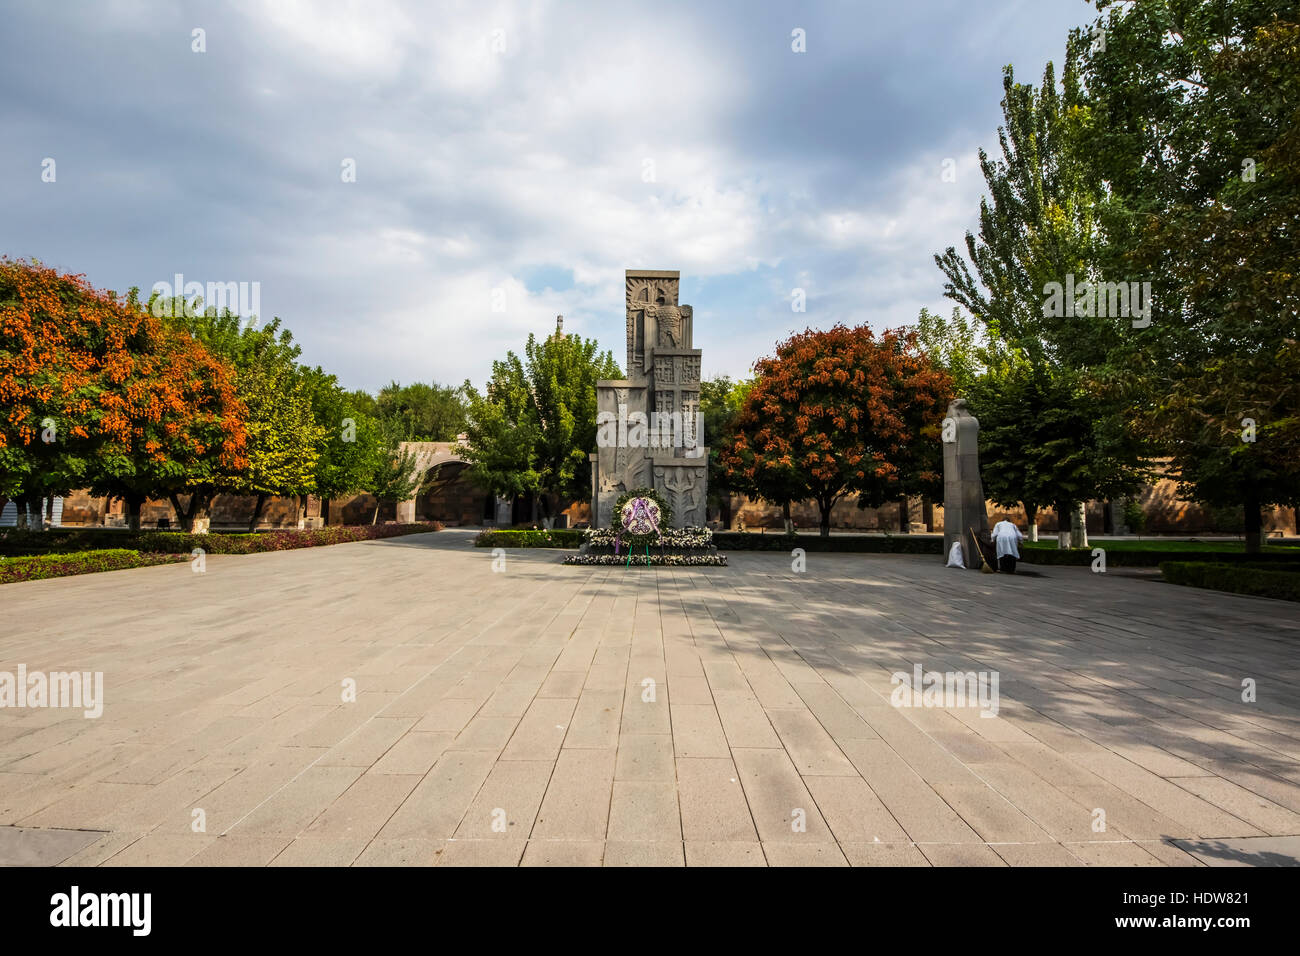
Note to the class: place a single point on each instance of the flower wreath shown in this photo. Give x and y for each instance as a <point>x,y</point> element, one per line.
<point>639,516</point>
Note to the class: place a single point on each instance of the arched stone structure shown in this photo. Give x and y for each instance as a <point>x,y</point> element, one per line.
<point>452,499</point>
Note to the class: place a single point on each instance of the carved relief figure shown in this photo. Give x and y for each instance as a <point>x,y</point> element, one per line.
<point>670,326</point>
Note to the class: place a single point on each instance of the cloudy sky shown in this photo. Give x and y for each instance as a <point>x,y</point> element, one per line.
<point>511,160</point>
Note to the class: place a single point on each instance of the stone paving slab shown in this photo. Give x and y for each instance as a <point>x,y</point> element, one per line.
<point>554,716</point>
<point>1254,851</point>
<point>29,846</point>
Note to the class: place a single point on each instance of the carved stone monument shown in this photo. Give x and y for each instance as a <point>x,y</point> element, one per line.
<point>963,491</point>
<point>663,386</point>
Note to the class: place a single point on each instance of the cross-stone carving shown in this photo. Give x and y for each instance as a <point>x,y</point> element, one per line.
<point>663,375</point>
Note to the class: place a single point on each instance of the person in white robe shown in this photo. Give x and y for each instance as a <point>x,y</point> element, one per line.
<point>1007,537</point>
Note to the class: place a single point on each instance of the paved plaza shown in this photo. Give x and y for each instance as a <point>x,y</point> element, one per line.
<point>543,714</point>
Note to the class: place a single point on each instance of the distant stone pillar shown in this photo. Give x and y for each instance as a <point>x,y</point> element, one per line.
<point>1115,509</point>
<point>505,512</point>
<point>963,491</point>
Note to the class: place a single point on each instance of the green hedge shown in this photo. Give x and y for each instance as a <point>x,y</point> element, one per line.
<point>1262,579</point>
<point>38,566</point>
<point>1126,558</point>
<point>529,538</point>
<point>871,543</point>
<point>177,542</point>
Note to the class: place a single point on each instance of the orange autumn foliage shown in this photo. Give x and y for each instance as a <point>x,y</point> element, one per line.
<point>129,397</point>
<point>840,411</point>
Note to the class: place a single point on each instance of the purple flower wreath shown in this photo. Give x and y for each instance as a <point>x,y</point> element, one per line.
<point>640,517</point>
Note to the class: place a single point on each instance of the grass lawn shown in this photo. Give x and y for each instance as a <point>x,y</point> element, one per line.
<point>1159,544</point>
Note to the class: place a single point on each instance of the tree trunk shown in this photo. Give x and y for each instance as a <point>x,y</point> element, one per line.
<point>29,514</point>
<point>904,516</point>
<point>927,513</point>
<point>787,521</point>
<point>724,510</point>
<point>825,507</point>
<point>257,513</point>
<point>1079,525</point>
<point>200,512</point>
<point>182,516</point>
<point>194,520</point>
<point>325,511</point>
<point>1063,512</point>
<point>1254,524</point>
<point>302,511</point>
<point>374,518</point>
<point>1031,515</point>
<point>133,504</point>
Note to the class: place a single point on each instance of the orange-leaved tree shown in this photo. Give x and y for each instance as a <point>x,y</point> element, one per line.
<point>841,411</point>
<point>96,392</point>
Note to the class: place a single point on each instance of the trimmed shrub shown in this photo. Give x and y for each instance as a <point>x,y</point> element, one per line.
<point>1120,557</point>
<point>177,542</point>
<point>38,566</point>
<point>530,538</point>
<point>866,543</point>
<point>1279,580</point>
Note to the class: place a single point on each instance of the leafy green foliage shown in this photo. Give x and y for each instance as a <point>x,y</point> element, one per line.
<point>1041,441</point>
<point>350,441</point>
<point>721,401</point>
<point>955,345</point>
<point>1197,130</point>
<point>532,428</point>
<point>393,477</point>
<point>416,412</point>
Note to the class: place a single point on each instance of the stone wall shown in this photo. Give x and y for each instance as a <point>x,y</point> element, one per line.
<point>1167,514</point>
<point>228,511</point>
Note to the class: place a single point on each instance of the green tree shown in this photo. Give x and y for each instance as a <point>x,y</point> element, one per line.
<point>283,436</point>
<point>1197,129</point>
<point>1043,235</point>
<point>531,429</point>
<point>955,345</point>
<point>393,477</point>
<point>1039,225</point>
<point>1041,443</point>
<point>721,401</point>
<point>351,439</point>
<point>421,412</point>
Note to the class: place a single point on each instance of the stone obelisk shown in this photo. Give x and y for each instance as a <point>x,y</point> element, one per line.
<point>963,491</point>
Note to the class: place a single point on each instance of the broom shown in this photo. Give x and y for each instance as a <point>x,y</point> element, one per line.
<point>984,564</point>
